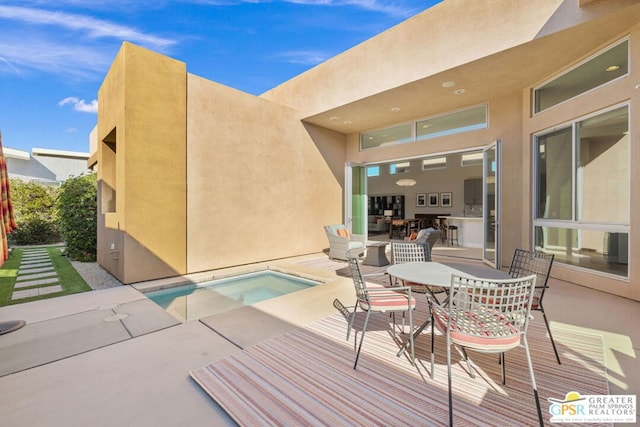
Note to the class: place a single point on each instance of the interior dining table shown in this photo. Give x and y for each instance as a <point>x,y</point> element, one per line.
<point>439,274</point>
<point>406,224</point>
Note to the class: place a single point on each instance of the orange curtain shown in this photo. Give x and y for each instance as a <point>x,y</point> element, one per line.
<point>8,219</point>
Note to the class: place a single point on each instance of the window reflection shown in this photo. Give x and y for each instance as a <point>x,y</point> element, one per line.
<point>604,251</point>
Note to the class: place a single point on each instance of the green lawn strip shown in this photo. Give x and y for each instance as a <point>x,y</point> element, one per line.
<point>69,279</point>
<point>8,274</point>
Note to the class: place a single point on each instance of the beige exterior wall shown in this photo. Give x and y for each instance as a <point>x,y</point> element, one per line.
<point>142,166</point>
<point>260,183</point>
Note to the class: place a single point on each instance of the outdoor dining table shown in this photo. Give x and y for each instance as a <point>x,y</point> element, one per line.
<point>439,274</point>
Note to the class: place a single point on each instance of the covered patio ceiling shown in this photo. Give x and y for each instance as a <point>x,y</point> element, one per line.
<point>503,73</point>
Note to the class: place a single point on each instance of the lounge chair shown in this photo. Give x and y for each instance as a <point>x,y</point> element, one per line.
<point>341,240</point>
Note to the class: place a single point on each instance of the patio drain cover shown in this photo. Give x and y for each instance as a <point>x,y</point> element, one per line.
<point>11,325</point>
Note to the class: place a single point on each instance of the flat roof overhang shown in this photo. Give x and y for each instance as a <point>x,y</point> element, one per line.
<point>502,73</point>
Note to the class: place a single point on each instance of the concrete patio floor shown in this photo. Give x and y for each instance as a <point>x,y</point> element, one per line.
<point>111,357</point>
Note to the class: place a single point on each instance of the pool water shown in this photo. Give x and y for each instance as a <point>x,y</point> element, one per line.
<point>195,301</point>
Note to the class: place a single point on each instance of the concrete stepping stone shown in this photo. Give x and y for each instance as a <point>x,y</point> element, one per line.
<point>38,265</point>
<point>35,270</point>
<point>35,260</point>
<point>32,254</point>
<point>35,276</point>
<point>40,282</point>
<point>35,292</point>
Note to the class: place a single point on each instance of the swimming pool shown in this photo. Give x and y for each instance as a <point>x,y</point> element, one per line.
<point>194,301</point>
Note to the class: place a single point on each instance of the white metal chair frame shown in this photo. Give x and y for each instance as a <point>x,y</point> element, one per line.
<point>413,251</point>
<point>525,263</point>
<point>379,300</point>
<point>490,316</point>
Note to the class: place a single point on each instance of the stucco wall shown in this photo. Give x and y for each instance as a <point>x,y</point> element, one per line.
<point>143,115</point>
<point>260,184</point>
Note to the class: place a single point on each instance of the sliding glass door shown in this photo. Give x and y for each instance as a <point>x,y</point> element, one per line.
<point>491,204</point>
<point>355,202</point>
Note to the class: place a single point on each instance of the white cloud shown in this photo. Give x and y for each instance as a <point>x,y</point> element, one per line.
<point>94,28</point>
<point>30,51</point>
<point>305,57</point>
<point>389,7</point>
<point>80,104</point>
<point>394,8</point>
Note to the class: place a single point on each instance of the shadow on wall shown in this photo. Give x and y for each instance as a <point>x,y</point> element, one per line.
<point>331,145</point>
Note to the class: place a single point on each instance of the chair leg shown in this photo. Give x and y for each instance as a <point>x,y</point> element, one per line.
<point>504,370</point>
<point>449,378</point>
<point>364,329</point>
<point>413,355</point>
<point>466,358</point>
<point>553,343</point>
<point>353,316</point>
<point>433,356</point>
<point>533,381</point>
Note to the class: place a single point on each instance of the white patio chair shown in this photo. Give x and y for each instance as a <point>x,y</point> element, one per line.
<point>525,263</point>
<point>488,316</point>
<point>379,300</point>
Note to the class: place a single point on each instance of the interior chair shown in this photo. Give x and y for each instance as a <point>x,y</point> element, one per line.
<point>341,241</point>
<point>376,299</point>
<point>429,235</point>
<point>486,316</point>
<point>397,227</point>
<point>525,263</point>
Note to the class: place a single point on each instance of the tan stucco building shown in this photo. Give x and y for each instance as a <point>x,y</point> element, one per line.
<point>196,176</point>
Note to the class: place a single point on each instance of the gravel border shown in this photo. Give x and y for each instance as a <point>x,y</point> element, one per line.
<point>95,276</point>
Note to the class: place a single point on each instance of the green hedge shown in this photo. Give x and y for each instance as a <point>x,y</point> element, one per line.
<point>34,206</point>
<point>78,208</point>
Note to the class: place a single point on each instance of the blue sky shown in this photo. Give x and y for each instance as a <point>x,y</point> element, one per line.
<point>54,54</point>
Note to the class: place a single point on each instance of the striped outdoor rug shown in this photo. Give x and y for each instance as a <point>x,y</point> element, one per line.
<point>306,378</point>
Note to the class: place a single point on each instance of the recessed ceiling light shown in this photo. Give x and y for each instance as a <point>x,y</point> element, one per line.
<point>370,137</point>
<point>459,91</point>
<point>425,126</point>
<point>347,122</point>
<point>334,118</point>
<point>612,68</point>
<point>448,84</point>
<point>395,109</point>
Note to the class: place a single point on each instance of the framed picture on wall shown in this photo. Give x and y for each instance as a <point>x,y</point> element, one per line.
<point>445,200</point>
<point>421,200</point>
<point>433,200</point>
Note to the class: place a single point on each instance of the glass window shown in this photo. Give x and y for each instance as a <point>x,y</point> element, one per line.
<point>583,192</point>
<point>461,121</point>
<point>395,168</point>
<point>446,124</point>
<point>471,159</point>
<point>555,176</point>
<point>373,171</point>
<point>601,69</point>
<point>434,163</point>
<point>603,251</point>
<point>388,136</point>
<point>602,174</point>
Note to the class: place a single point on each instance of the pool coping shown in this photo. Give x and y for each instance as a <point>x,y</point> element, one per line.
<point>285,267</point>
